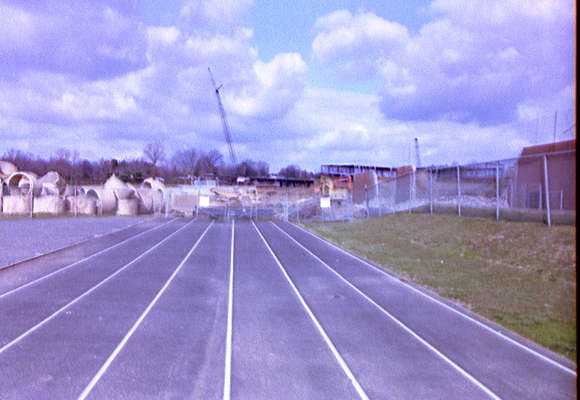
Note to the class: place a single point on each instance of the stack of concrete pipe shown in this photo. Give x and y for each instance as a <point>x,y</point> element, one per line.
<point>21,187</point>
<point>151,195</point>
<point>125,195</point>
<point>24,192</point>
<point>6,169</point>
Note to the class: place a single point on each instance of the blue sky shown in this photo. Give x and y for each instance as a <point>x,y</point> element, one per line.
<point>281,26</point>
<point>306,82</point>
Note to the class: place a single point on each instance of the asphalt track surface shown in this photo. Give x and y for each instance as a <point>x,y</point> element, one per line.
<point>181,308</point>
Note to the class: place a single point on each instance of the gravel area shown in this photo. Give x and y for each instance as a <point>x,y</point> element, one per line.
<point>23,238</point>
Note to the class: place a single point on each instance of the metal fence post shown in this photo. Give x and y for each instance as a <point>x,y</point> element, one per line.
<point>410,193</point>
<point>413,189</point>
<point>458,192</point>
<point>497,192</point>
<point>167,203</point>
<point>31,200</point>
<point>547,188</point>
<point>286,207</point>
<point>298,211</point>
<point>367,200</point>
<point>197,204</point>
<point>430,191</point>
<point>76,202</point>
<point>378,199</point>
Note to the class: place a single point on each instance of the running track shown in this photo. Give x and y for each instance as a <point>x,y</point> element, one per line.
<point>180,308</point>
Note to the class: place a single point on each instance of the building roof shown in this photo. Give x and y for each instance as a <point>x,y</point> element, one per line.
<point>358,166</point>
<point>566,145</point>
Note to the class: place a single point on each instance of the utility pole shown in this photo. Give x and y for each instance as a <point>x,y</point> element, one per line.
<point>417,155</point>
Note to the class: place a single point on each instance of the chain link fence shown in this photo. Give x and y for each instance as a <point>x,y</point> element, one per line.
<point>539,188</point>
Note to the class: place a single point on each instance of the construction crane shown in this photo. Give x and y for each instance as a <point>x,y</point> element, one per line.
<point>417,156</point>
<point>225,124</point>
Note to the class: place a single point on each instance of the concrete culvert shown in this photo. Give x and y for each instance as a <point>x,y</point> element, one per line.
<point>82,205</point>
<point>105,200</point>
<point>16,204</point>
<point>20,187</point>
<point>127,207</point>
<point>51,184</point>
<point>120,188</point>
<point>23,183</point>
<point>6,169</point>
<point>53,205</point>
<point>152,194</point>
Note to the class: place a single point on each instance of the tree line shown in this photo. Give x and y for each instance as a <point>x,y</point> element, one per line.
<point>183,166</point>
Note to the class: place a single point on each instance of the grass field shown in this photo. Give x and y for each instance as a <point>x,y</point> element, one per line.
<point>521,275</point>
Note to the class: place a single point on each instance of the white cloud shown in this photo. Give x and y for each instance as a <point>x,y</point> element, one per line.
<point>475,61</point>
<point>278,85</point>
<point>169,97</point>
<point>443,84</point>
<point>354,43</point>
<point>93,40</point>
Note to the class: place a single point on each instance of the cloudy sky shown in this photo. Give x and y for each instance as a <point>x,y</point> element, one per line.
<point>305,82</point>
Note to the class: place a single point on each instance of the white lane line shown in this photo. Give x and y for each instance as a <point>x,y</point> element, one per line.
<point>77,299</point>
<point>35,281</point>
<point>123,342</point>
<point>228,361</point>
<point>333,349</point>
<point>448,307</point>
<point>463,372</point>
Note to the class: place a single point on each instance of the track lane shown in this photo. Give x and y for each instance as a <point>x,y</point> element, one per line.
<point>277,351</point>
<point>22,310</point>
<point>388,361</point>
<point>31,272</point>
<point>88,390</point>
<point>178,351</point>
<point>59,359</point>
<point>507,369</point>
<point>71,246</point>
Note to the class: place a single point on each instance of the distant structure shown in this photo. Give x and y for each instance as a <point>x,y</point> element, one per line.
<point>225,124</point>
<point>353,169</point>
<point>561,173</point>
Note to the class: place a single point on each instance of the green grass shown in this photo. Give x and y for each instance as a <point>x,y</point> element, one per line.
<point>520,275</point>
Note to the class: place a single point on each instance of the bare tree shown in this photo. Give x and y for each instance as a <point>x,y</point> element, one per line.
<point>293,171</point>
<point>154,153</point>
<point>210,162</point>
<point>186,161</point>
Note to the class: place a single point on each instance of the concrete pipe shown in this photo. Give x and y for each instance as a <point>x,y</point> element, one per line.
<point>16,204</point>
<point>7,169</point>
<point>145,201</point>
<point>54,205</point>
<point>158,192</point>
<point>81,204</point>
<point>120,188</point>
<point>153,183</point>
<point>23,183</point>
<point>105,199</point>
<point>127,207</point>
<point>51,184</point>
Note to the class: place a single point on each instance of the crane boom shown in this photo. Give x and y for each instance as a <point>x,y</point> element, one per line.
<point>225,124</point>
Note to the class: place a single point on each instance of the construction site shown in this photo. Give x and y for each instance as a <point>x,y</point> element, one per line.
<point>538,185</point>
